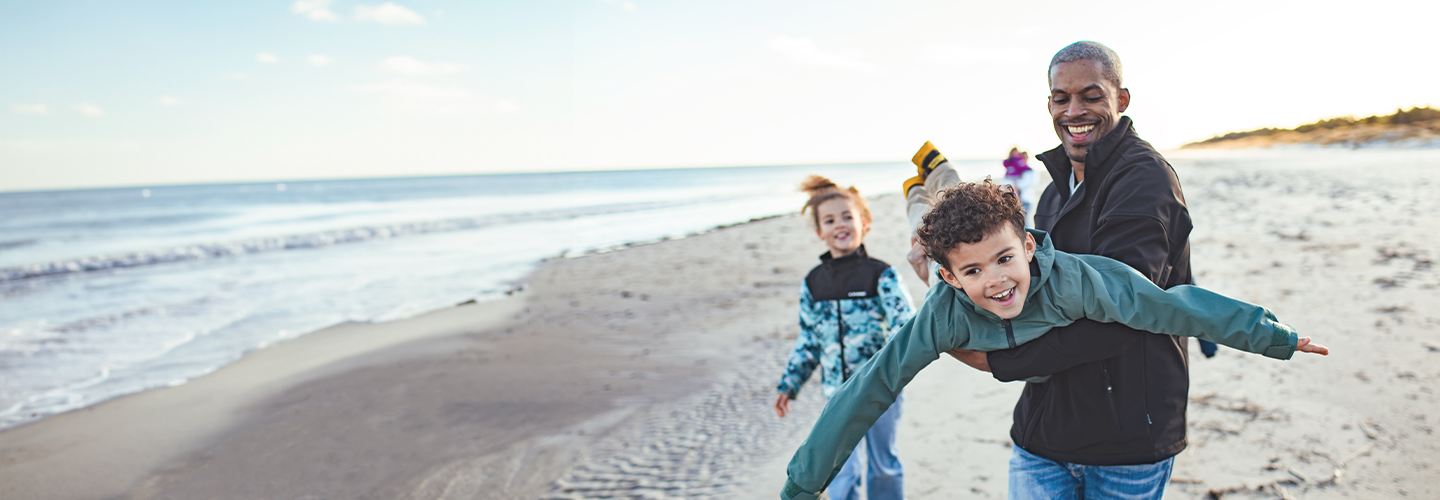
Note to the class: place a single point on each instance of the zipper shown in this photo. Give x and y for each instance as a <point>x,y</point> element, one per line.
<point>1110,396</point>
<point>840,333</point>
<point>1010,333</point>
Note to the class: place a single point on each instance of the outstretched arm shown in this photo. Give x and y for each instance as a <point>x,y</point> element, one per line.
<point>1114,292</point>
<point>855,407</point>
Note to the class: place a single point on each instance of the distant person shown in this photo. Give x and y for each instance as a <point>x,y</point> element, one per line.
<point>1004,286</point>
<point>850,305</point>
<point>1020,176</point>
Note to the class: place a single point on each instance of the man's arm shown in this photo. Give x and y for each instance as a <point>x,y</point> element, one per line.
<point>1081,342</point>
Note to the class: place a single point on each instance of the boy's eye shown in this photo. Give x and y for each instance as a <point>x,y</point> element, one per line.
<point>1005,259</point>
<point>972,272</point>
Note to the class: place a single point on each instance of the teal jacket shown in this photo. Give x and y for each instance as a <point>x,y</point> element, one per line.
<point>1063,288</point>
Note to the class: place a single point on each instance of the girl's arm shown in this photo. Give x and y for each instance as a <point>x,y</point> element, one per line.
<point>806,354</point>
<point>1114,292</point>
<point>894,301</point>
<point>869,393</point>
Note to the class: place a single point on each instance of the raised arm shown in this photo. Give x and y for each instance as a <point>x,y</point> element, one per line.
<point>862,399</point>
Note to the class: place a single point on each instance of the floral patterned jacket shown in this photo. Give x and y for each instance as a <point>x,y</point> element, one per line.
<point>849,307</point>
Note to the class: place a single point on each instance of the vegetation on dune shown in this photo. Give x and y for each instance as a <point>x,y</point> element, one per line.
<point>1420,122</point>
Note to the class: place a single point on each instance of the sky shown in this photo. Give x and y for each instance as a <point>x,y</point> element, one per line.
<point>139,93</point>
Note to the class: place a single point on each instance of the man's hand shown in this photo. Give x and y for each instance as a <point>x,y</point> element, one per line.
<point>782,404</point>
<point>975,359</point>
<point>918,261</point>
<point>1304,345</point>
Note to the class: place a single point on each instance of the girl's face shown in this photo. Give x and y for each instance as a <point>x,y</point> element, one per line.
<point>840,226</point>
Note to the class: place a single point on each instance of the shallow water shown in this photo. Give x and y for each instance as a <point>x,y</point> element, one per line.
<point>108,292</point>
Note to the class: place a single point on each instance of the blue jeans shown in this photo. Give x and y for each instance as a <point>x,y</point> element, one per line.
<point>1033,477</point>
<point>884,478</point>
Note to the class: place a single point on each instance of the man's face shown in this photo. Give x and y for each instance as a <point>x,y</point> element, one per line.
<point>994,272</point>
<point>1084,105</point>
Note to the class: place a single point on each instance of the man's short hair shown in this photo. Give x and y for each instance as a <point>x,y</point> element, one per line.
<point>967,213</point>
<point>1094,51</point>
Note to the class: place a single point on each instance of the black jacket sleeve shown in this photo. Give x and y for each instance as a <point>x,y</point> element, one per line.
<point>1060,349</point>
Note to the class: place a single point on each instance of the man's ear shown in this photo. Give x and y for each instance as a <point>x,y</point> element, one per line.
<point>1124,100</point>
<point>1029,247</point>
<point>949,278</point>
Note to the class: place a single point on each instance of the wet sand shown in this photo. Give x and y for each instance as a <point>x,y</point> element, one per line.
<point>648,372</point>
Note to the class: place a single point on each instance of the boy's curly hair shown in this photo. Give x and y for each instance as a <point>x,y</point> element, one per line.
<point>966,213</point>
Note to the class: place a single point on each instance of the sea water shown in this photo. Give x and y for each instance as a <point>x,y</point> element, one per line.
<point>107,292</point>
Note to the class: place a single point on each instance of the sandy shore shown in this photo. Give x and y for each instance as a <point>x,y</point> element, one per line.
<point>647,373</point>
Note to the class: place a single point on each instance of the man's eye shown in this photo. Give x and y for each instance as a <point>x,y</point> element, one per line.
<point>1093,99</point>
<point>1058,100</point>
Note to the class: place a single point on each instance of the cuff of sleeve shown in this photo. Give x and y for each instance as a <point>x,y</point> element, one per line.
<point>1282,343</point>
<point>792,491</point>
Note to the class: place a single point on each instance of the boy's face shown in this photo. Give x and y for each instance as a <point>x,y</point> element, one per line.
<point>994,272</point>
<point>839,225</point>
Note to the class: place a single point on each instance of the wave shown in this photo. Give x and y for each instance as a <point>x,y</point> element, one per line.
<point>310,240</point>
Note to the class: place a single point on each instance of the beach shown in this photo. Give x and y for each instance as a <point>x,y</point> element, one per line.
<point>647,371</point>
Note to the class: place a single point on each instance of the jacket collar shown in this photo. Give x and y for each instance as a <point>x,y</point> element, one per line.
<point>1096,158</point>
<point>832,263</point>
<point>1041,269</point>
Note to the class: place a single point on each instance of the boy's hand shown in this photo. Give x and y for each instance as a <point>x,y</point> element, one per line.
<point>1304,345</point>
<point>782,404</point>
<point>918,261</point>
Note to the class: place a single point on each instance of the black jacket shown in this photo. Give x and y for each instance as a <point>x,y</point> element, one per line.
<point>1116,396</point>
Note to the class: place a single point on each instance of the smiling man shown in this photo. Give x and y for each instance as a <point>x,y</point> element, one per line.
<point>1111,418</point>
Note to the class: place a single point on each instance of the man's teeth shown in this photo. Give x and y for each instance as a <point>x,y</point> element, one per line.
<point>1081,129</point>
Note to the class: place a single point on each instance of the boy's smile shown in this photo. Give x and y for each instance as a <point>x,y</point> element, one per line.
<point>994,272</point>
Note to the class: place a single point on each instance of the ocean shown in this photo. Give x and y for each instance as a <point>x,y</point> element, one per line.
<point>107,292</point>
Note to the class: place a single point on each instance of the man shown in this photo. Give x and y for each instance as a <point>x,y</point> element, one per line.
<point>1111,419</point>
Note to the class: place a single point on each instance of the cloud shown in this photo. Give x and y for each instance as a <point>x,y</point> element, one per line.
<point>409,66</point>
<point>624,4</point>
<point>267,58</point>
<point>803,51</point>
<point>422,98</point>
<point>88,109</point>
<point>315,10</point>
<point>320,60</point>
<point>506,106</point>
<point>166,100</point>
<point>29,109</point>
<point>388,13</point>
<point>954,54</point>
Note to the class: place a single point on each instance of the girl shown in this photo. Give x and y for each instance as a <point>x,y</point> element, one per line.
<point>849,306</point>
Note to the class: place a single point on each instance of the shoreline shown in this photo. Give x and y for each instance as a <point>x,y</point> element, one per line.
<point>650,371</point>
<point>129,446</point>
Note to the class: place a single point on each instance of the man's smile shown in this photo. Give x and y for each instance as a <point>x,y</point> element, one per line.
<point>1079,133</point>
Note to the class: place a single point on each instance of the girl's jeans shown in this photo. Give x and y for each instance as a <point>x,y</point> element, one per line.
<point>884,478</point>
<point>1038,478</point>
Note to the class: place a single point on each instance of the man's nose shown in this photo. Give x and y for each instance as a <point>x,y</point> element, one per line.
<point>1075,108</point>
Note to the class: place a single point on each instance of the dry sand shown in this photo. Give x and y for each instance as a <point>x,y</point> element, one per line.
<point>648,373</point>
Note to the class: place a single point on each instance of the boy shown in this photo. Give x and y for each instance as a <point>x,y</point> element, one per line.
<point>1005,286</point>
